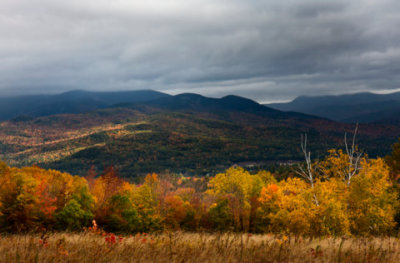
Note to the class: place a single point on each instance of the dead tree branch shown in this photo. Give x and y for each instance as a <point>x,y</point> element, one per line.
<point>307,172</point>
<point>354,158</point>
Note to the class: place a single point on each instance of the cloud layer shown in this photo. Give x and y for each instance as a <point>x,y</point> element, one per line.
<point>266,50</point>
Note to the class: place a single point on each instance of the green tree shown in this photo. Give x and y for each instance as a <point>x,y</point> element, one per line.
<point>122,215</point>
<point>220,216</point>
<point>73,216</point>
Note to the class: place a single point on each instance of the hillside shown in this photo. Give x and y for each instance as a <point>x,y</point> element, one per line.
<point>78,101</point>
<point>359,107</point>
<point>186,133</point>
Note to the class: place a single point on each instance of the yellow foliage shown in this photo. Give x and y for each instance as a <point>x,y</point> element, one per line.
<point>365,206</point>
<point>371,204</point>
<point>239,187</point>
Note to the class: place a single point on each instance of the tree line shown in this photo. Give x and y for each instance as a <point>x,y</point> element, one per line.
<point>332,203</point>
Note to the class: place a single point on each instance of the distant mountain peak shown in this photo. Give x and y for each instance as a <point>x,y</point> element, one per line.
<point>189,96</point>
<point>235,98</point>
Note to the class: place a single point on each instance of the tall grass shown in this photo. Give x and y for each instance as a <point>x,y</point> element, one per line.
<point>198,247</point>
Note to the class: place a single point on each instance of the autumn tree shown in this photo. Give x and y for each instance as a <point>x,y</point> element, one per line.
<point>220,216</point>
<point>122,214</point>
<point>18,210</point>
<point>103,188</point>
<point>288,206</point>
<point>371,203</point>
<point>241,189</point>
<point>393,161</point>
<point>36,198</point>
<point>145,198</point>
<point>362,204</point>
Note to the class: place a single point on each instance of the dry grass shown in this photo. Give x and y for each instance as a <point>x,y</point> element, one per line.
<point>184,247</point>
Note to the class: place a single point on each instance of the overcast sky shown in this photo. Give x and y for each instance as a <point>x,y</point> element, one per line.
<point>266,50</point>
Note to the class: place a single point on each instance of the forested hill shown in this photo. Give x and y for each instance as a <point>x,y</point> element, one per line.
<point>228,108</point>
<point>186,133</point>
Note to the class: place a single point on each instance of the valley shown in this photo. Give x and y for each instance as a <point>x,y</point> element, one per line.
<point>187,133</point>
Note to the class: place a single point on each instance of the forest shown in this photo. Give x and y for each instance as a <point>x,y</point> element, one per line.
<point>346,193</point>
<point>191,143</point>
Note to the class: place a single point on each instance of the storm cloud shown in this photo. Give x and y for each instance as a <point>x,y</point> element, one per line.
<point>265,50</point>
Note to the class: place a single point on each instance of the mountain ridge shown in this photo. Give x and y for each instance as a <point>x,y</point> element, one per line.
<point>351,108</point>
<point>75,101</point>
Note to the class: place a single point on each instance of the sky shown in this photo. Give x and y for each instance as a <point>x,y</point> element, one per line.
<point>267,50</point>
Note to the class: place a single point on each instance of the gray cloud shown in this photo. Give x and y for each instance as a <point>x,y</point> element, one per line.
<point>266,50</point>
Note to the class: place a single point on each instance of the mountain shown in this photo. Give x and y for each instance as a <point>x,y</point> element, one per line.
<point>78,101</point>
<point>228,108</point>
<point>186,133</point>
<point>352,108</point>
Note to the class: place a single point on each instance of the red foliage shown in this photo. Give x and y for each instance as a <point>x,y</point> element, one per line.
<point>111,239</point>
<point>47,203</point>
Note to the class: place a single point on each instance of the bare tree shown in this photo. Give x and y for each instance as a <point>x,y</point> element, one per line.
<point>354,156</point>
<point>307,172</point>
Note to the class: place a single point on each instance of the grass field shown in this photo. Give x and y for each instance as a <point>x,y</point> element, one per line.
<point>186,247</point>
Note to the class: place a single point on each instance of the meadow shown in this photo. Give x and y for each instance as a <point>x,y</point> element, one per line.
<point>195,247</point>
